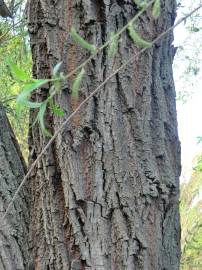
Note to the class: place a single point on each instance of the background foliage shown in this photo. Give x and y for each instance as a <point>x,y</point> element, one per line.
<point>188,59</point>
<point>191,219</point>
<point>14,46</point>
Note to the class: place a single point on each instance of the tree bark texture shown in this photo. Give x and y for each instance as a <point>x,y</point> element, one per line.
<point>106,193</point>
<point>14,251</point>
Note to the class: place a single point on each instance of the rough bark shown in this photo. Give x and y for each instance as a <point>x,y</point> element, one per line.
<point>105,195</point>
<point>14,251</point>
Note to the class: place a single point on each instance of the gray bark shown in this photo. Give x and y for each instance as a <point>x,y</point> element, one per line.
<point>106,194</point>
<point>14,251</point>
<point>4,11</point>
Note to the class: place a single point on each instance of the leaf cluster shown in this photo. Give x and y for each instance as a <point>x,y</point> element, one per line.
<point>191,219</point>
<point>14,45</point>
<point>30,85</point>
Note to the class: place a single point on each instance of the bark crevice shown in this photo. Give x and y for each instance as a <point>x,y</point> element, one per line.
<point>114,175</point>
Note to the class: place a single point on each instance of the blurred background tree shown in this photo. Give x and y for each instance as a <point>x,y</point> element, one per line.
<point>14,46</point>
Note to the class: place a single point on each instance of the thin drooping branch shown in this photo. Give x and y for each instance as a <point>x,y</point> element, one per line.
<point>118,34</point>
<point>100,87</point>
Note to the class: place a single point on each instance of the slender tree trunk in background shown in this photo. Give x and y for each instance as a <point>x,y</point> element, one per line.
<point>105,195</point>
<point>14,251</point>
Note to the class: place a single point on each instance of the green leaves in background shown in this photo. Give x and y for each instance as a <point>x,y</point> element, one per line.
<point>191,218</point>
<point>23,99</point>
<point>14,46</point>
<point>199,139</point>
<point>18,73</point>
<point>83,43</point>
<point>29,85</point>
<point>137,38</point>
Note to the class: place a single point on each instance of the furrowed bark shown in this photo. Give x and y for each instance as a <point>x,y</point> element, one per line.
<point>106,193</point>
<point>14,250</point>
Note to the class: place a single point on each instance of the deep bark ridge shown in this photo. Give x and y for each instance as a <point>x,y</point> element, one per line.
<point>106,193</point>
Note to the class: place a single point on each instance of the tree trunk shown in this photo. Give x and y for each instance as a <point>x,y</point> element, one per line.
<point>106,193</point>
<point>14,251</point>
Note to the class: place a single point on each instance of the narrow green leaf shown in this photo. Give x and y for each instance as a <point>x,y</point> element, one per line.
<point>137,39</point>
<point>113,47</point>
<point>18,73</point>
<point>58,112</point>
<point>55,108</point>
<point>77,38</point>
<point>25,103</point>
<point>35,84</point>
<point>57,85</point>
<point>32,105</point>
<point>140,3</point>
<point>19,108</point>
<point>41,115</point>
<point>62,76</point>
<point>47,133</point>
<point>56,68</point>
<point>22,99</point>
<point>77,83</point>
<point>156,10</point>
<point>28,88</point>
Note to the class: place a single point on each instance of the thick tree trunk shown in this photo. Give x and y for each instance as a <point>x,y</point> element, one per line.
<point>105,195</point>
<point>14,251</point>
